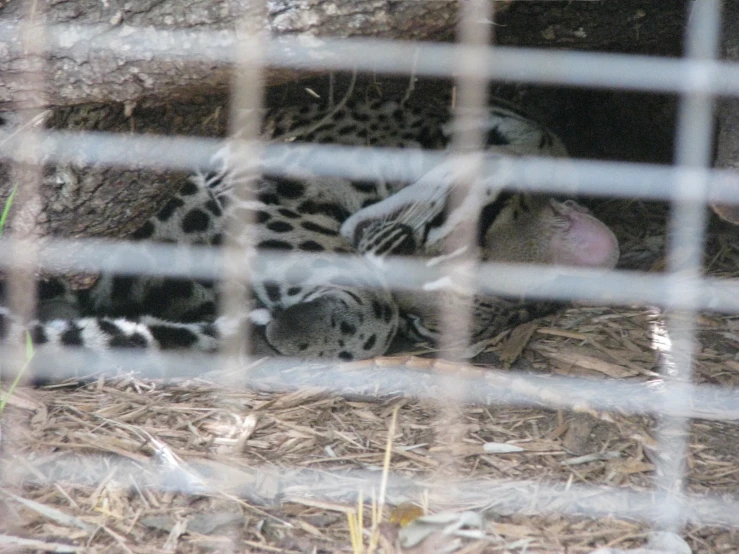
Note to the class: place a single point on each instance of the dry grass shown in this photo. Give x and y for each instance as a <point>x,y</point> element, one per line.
<point>125,465</point>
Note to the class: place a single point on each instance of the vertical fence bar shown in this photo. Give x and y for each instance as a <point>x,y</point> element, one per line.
<point>685,252</point>
<point>244,128</point>
<point>26,174</point>
<point>470,101</point>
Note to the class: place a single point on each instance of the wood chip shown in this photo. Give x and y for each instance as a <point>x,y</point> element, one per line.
<point>510,349</point>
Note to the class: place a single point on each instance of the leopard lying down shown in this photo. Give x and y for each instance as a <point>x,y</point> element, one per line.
<point>303,305</point>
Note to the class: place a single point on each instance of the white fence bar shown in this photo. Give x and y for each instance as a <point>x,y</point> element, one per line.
<point>201,262</point>
<point>476,386</point>
<point>572,68</point>
<point>563,176</point>
<point>685,253</point>
<point>492,496</point>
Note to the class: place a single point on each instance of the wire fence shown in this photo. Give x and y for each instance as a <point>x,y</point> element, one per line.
<point>698,78</point>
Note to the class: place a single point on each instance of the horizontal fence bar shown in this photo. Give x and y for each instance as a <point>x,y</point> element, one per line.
<point>561,67</point>
<point>532,281</point>
<point>557,175</point>
<point>413,377</point>
<point>494,496</point>
<point>118,150</point>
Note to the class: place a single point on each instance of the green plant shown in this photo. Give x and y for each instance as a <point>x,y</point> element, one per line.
<point>6,209</point>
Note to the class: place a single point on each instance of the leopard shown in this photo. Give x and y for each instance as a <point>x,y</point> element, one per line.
<point>300,302</point>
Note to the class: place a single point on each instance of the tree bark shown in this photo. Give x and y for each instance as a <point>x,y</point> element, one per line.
<point>80,199</point>
<point>76,72</point>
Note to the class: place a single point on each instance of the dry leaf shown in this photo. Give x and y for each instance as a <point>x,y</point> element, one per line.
<point>405,513</point>
<point>510,348</point>
<point>574,358</point>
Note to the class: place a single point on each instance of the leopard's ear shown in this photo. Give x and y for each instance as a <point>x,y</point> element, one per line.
<point>421,217</point>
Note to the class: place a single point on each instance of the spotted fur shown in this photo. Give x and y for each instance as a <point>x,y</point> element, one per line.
<point>304,306</point>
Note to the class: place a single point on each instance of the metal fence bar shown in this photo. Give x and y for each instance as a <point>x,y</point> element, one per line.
<point>396,377</point>
<point>496,497</point>
<point>585,69</point>
<point>244,127</point>
<point>469,100</point>
<point>26,178</point>
<point>564,176</point>
<point>685,252</point>
<point>615,287</point>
